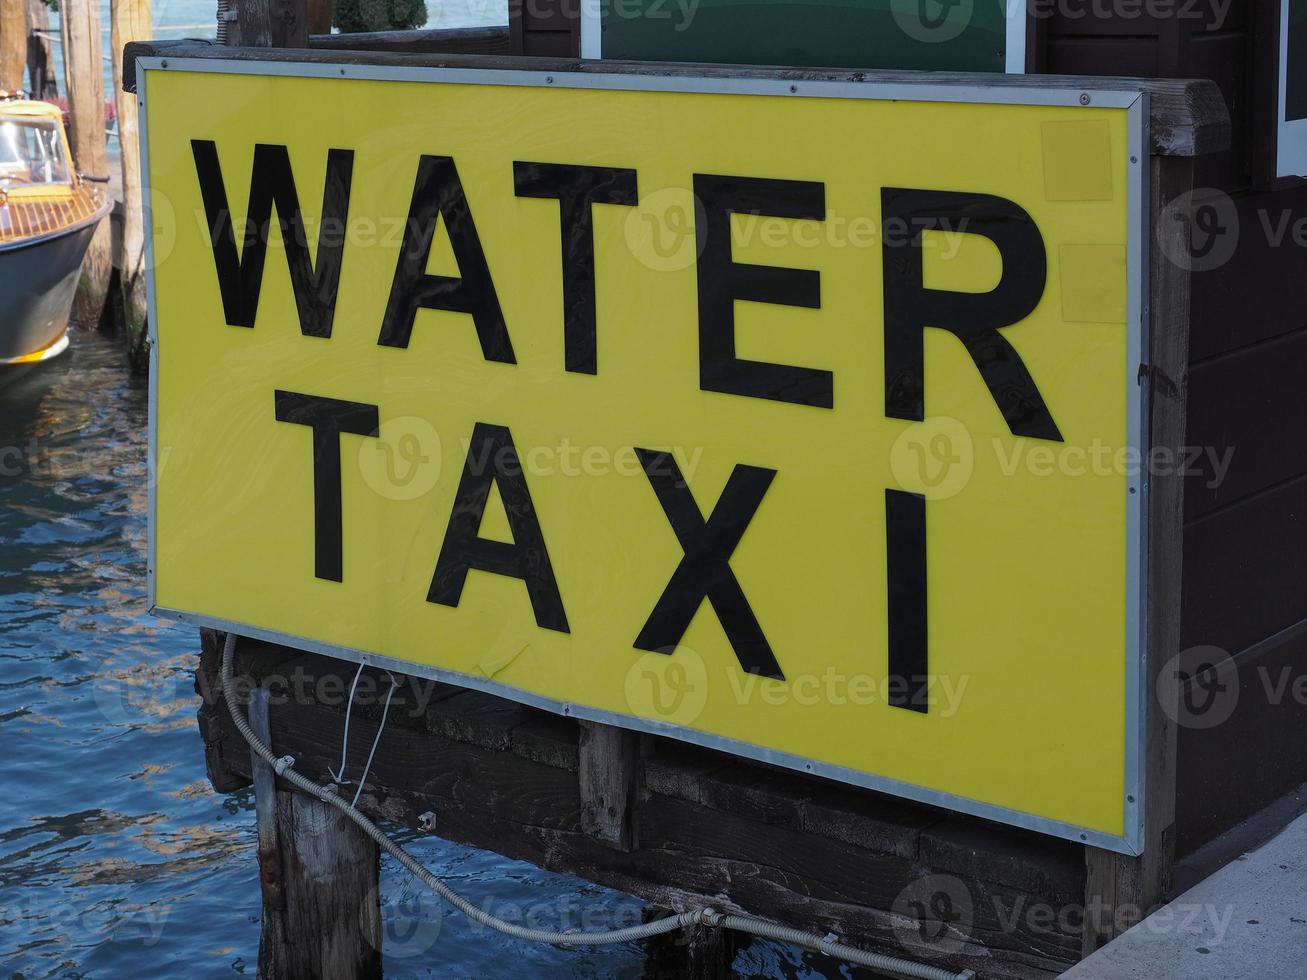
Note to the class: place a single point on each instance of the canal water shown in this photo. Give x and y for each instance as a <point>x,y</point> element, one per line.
<point>117,858</point>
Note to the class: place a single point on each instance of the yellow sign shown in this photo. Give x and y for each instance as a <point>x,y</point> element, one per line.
<point>801,423</point>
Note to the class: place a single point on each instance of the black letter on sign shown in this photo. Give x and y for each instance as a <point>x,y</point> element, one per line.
<point>328,417</point>
<point>576,189</point>
<point>722,282</point>
<point>974,318</point>
<point>492,458</point>
<point>905,561</point>
<point>437,193</point>
<point>273,185</point>
<point>705,570</point>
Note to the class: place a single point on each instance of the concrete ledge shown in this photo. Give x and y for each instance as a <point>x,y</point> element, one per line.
<point>1248,921</point>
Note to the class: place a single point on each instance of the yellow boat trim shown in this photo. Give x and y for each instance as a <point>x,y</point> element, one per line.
<point>44,354</point>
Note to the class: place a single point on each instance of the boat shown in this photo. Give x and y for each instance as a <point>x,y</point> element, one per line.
<point>48,214</point>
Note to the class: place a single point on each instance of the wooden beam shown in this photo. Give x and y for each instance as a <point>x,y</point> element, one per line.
<point>83,66</point>
<point>13,44</point>
<point>131,22</point>
<point>1188,117</point>
<point>1120,890</point>
<point>608,774</point>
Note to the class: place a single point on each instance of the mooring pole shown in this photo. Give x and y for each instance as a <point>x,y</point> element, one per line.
<point>84,71</point>
<point>333,895</point>
<point>131,22</point>
<point>319,874</point>
<point>13,44</point>
<point>697,953</point>
<point>40,54</point>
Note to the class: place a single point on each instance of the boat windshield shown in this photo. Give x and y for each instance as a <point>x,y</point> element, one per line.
<point>32,152</point>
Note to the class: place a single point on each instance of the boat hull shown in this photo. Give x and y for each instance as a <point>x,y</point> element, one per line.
<point>38,280</point>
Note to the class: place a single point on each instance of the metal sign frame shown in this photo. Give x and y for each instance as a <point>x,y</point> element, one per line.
<point>983,92</point>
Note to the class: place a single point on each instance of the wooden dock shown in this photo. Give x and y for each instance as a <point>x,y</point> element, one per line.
<point>700,827</point>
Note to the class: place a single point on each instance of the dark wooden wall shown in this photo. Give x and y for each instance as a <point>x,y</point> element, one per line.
<point>545,28</point>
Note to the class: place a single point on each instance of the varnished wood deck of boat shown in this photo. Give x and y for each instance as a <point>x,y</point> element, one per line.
<point>24,218</point>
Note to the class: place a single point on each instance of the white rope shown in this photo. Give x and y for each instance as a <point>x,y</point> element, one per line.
<point>339,777</point>
<point>380,728</point>
<point>827,944</point>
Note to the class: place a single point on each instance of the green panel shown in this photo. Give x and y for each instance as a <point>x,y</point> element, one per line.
<point>955,35</point>
<point>1295,97</point>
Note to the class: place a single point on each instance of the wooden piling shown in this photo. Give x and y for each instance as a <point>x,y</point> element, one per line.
<point>319,19</point>
<point>41,80</point>
<point>698,953</point>
<point>333,901</point>
<point>13,43</point>
<point>131,22</point>
<point>319,875</point>
<point>80,23</point>
<point>269,24</point>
